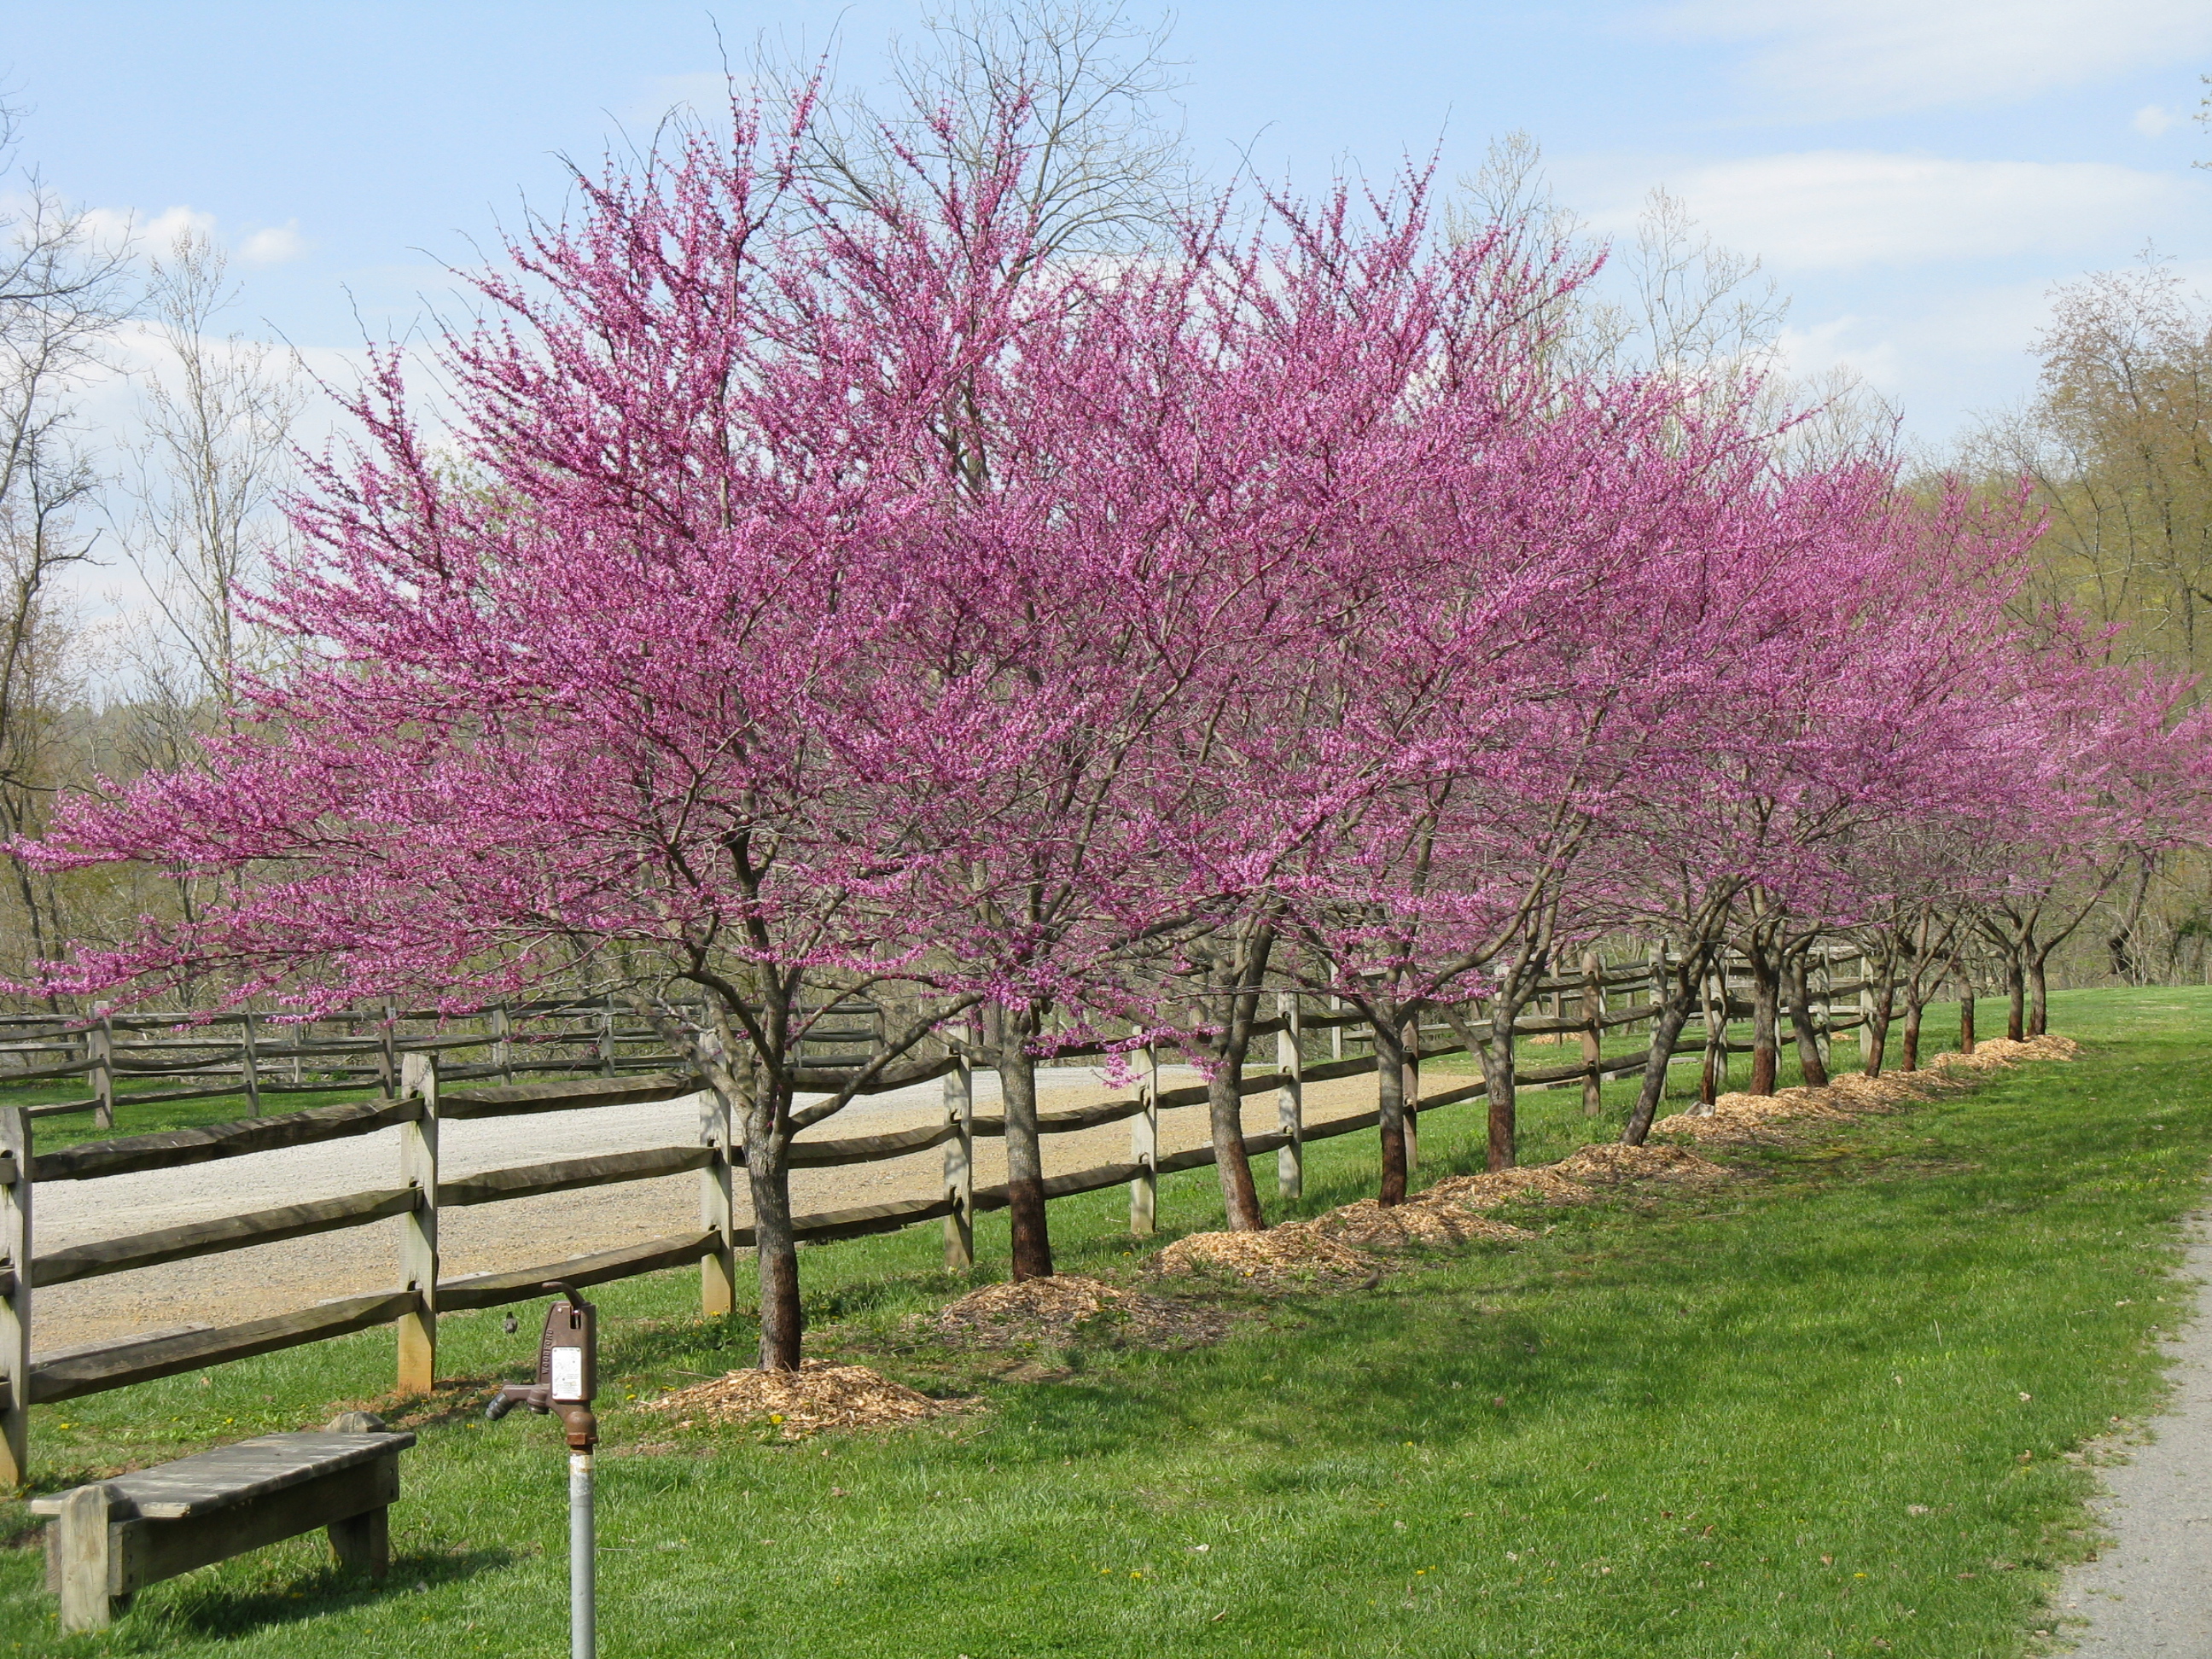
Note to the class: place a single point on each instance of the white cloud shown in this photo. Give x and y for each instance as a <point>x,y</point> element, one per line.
<point>2151,121</point>
<point>2000,321</point>
<point>113,227</point>
<point>1837,343</point>
<point>273,245</point>
<point>117,228</point>
<point>1828,210</point>
<point>1829,57</point>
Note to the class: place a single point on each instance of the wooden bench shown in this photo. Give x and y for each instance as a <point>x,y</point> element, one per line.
<point>111,1540</point>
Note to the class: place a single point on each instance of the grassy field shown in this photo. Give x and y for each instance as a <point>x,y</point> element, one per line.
<point>1824,1409</point>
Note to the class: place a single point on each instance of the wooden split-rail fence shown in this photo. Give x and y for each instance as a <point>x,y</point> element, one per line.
<point>414,1075</point>
<point>256,1056</point>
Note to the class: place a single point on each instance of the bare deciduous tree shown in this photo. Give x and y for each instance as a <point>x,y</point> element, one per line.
<point>1107,169</point>
<point>1676,303</point>
<point>213,454</point>
<point>61,295</point>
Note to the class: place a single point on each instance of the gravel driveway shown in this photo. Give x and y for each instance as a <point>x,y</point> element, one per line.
<point>272,1278</point>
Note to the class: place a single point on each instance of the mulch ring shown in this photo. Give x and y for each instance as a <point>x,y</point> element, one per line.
<point>1541,1184</point>
<point>806,1401</point>
<point>1746,1120</point>
<point>1367,1225</point>
<point>1741,1120</point>
<point>1068,1308</point>
<point>1296,1254</point>
<point>1609,1164</point>
<point>2002,1054</point>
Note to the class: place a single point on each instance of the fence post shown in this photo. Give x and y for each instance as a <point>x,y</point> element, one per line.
<point>502,1044</point>
<point>718,1267</point>
<point>1593,1010</point>
<point>1144,1151</point>
<point>1824,1009</point>
<point>960,1164</point>
<point>607,1035</point>
<point>15,1303</point>
<point>418,1237</point>
<point>100,1044</point>
<point>1291,1098</point>
<point>388,1079</point>
<point>1409,1075</point>
<point>1336,1032</point>
<point>1865,1008</point>
<point>252,1067</point>
<point>1713,1076</point>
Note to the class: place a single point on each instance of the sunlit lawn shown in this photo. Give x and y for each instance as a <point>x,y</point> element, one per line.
<point>1825,1406</point>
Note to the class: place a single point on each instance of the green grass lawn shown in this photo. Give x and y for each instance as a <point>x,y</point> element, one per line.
<point>1824,1408</point>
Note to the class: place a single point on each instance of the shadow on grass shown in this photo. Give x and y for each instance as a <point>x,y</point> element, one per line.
<point>211,1610</point>
<point>650,1347</point>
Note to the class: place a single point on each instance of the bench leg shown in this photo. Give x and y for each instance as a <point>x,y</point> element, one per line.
<point>363,1542</point>
<point>80,1546</point>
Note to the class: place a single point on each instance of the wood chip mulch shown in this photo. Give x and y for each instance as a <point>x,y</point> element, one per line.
<point>1069,1307</point>
<point>1742,1119</point>
<point>1541,1184</point>
<point>1609,1164</point>
<point>1367,1225</point>
<point>2001,1053</point>
<point>1295,1253</point>
<point>804,1402</point>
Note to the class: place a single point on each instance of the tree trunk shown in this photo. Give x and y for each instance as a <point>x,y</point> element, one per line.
<point>775,1249</point>
<point>1674,1015</point>
<point>1765,1018</point>
<point>2015,997</point>
<point>1225,1103</point>
<point>1965,1016</point>
<point>1032,1240</point>
<point>2122,944</point>
<point>1501,1079</point>
<point>1800,1022</point>
<point>1913,1008</point>
<point>2038,996</point>
<point>1224,1098</point>
<point>1390,1105</point>
<point>1877,1025</point>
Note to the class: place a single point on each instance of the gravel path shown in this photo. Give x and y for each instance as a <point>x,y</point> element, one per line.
<point>2149,1596</point>
<point>272,1278</point>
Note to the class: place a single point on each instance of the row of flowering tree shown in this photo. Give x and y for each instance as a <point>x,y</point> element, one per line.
<point>810,595</point>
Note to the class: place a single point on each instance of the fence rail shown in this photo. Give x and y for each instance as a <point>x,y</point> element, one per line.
<point>410,1073</point>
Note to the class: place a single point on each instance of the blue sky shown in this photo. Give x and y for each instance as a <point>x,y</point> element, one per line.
<point>1919,174</point>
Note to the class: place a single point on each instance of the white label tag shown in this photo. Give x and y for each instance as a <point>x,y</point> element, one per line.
<point>568,1373</point>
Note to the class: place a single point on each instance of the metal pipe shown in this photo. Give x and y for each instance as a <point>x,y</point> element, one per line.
<point>583,1642</point>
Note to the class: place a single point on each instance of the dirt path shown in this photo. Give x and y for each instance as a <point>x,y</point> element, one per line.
<point>2149,1596</point>
<point>273,1279</point>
